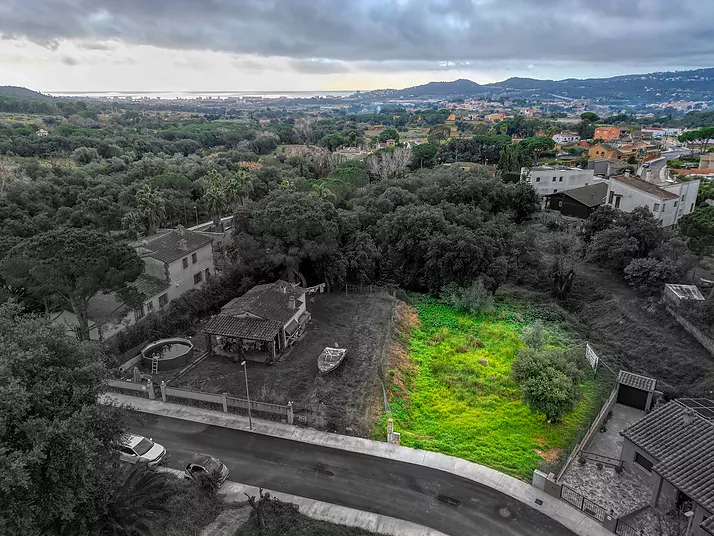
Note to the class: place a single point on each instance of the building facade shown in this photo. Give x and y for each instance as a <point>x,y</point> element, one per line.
<point>566,137</point>
<point>554,179</point>
<point>607,133</point>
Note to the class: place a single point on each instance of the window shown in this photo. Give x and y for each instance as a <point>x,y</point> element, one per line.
<point>207,271</point>
<point>194,258</point>
<point>663,206</point>
<point>691,208</point>
<point>149,307</point>
<point>555,190</point>
<point>185,262</point>
<point>617,201</point>
<point>656,207</point>
<point>163,300</point>
<point>643,462</point>
<point>675,203</point>
<point>554,179</point>
<point>139,313</point>
<point>560,179</point>
<point>612,195</point>
<point>537,179</point>
<point>197,278</point>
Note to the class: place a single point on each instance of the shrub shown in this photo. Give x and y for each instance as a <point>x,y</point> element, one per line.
<point>650,275</point>
<point>533,335</point>
<point>474,299</point>
<point>549,380</point>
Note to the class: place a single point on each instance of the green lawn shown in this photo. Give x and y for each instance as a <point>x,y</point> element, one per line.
<point>448,402</point>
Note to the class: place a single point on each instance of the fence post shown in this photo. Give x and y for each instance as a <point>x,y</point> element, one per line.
<point>225,402</point>
<point>150,389</point>
<point>163,391</point>
<point>290,412</point>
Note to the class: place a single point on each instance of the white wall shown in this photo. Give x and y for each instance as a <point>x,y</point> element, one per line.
<point>687,192</point>
<point>182,278</point>
<point>547,181</point>
<point>631,198</point>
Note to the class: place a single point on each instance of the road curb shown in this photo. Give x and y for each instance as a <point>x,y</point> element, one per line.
<point>563,513</point>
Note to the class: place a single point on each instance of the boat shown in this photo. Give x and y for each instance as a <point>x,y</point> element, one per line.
<point>330,359</point>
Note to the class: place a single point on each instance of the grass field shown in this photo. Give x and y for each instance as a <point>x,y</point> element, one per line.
<point>451,391</point>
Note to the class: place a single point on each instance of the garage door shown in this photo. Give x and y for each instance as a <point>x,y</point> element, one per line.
<point>629,396</point>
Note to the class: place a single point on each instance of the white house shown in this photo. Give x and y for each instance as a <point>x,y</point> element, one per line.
<point>668,203</point>
<point>41,133</point>
<point>659,133</point>
<point>553,179</point>
<point>566,137</point>
<point>175,261</point>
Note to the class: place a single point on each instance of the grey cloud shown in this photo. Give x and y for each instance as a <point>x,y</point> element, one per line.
<point>398,34</point>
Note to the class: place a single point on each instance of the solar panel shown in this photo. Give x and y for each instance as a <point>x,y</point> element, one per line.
<point>703,406</point>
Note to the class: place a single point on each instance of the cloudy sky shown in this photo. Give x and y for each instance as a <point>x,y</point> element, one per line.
<point>283,45</point>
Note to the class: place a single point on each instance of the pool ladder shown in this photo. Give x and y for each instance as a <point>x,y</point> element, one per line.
<point>155,365</point>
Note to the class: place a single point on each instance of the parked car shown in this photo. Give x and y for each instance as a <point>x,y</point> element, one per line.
<point>203,464</point>
<point>135,448</point>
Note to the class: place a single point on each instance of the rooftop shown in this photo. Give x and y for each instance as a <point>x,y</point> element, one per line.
<point>685,292</point>
<point>635,380</point>
<point>150,286</point>
<point>644,186</point>
<point>682,440</point>
<point>259,313</point>
<point>558,168</point>
<point>169,245</point>
<point>591,195</point>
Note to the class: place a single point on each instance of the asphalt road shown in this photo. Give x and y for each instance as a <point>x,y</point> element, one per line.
<point>656,168</point>
<point>369,483</point>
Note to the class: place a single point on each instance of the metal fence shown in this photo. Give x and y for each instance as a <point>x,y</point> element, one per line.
<point>582,503</point>
<point>370,290</point>
<point>623,529</point>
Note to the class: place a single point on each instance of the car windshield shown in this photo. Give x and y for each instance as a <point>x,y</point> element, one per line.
<point>143,447</point>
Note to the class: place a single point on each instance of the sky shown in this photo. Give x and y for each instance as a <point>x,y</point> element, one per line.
<point>306,45</point>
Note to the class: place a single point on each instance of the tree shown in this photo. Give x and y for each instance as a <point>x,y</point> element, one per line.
<point>142,494</point>
<point>613,247</point>
<point>513,157</point>
<point>649,275</point>
<point>698,227</point>
<point>590,117</point>
<point>216,201</point>
<point>702,136</point>
<point>524,201</point>
<point>438,134</point>
<point>322,191</point>
<point>72,264</point>
<point>533,335</point>
<point>549,380</point>
<point>389,164</point>
<point>55,439</point>
<point>537,145</point>
<point>389,134</point>
<point>151,206</point>
<point>303,130</point>
<point>423,155</point>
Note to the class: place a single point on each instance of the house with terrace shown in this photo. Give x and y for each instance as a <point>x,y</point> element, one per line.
<point>175,261</point>
<point>673,449</point>
<point>264,322</point>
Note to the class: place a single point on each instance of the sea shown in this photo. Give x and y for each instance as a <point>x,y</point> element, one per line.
<point>183,95</point>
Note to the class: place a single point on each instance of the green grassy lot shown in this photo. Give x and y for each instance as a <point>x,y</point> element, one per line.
<point>443,399</point>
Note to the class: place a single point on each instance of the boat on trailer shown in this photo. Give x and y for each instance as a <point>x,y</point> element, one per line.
<point>330,359</point>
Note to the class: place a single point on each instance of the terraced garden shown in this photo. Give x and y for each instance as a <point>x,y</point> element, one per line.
<point>450,388</point>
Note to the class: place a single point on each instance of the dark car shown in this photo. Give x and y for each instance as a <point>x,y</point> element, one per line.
<point>203,464</point>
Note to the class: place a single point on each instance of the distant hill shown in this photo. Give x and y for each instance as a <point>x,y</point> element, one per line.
<point>440,89</point>
<point>22,93</point>
<point>650,87</point>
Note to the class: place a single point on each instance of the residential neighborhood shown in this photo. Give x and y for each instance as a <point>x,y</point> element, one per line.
<point>376,268</point>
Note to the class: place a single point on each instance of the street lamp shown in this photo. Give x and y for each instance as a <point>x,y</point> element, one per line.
<point>247,393</point>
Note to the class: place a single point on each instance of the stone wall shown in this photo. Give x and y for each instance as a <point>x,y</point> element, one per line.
<point>706,341</point>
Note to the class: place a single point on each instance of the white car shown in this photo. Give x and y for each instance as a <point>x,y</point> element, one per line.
<point>135,448</point>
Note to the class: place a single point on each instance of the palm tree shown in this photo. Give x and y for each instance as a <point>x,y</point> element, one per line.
<point>239,188</point>
<point>286,185</point>
<point>213,179</point>
<point>141,495</point>
<point>151,206</point>
<point>216,202</point>
<point>322,191</point>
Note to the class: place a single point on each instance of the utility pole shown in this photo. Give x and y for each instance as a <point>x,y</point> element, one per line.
<point>247,393</point>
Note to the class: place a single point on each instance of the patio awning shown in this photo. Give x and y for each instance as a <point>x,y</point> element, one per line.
<point>256,329</point>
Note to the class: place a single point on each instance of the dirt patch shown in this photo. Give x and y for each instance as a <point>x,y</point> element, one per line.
<point>550,456</point>
<point>338,401</point>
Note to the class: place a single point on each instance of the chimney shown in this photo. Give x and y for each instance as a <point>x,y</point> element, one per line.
<point>180,230</point>
<point>291,302</point>
<point>688,417</point>
<point>183,245</point>
<point>627,172</point>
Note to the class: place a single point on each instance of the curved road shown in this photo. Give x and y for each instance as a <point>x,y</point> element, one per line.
<point>398,489</point>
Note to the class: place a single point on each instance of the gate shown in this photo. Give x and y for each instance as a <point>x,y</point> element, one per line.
<point>582,503</point>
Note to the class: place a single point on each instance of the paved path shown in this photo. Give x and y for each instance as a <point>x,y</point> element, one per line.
<point>400,482</point>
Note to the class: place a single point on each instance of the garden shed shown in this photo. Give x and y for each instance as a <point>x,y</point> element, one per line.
<point>635,391</point>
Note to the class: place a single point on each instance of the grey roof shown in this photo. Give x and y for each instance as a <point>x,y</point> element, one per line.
<point>645,186</point>
<point>259,314</point>
<point>150,286</point>
<point>255,329</point>
<point>684,448</point>
<point>592,195</point>
<point>635,380</point>
<point>708,525</point>
<point>166,247</point>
